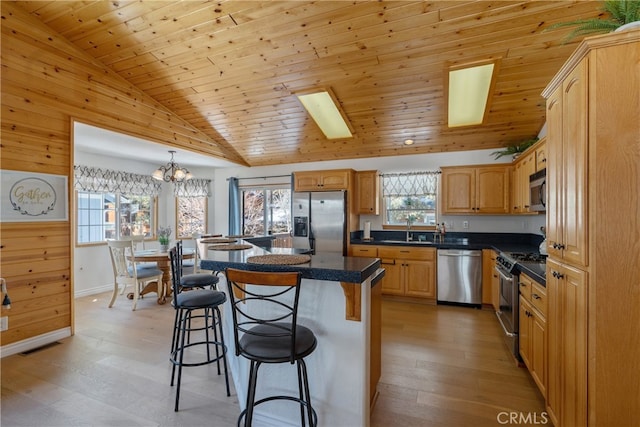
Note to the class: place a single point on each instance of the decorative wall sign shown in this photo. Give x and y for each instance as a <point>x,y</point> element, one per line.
<point>30,196</point>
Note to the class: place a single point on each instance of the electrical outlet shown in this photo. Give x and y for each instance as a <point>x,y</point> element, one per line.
<point>465,224</point>
<point>4,323</point>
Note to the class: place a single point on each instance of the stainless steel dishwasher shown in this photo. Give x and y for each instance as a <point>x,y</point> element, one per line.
<point>460,276</point>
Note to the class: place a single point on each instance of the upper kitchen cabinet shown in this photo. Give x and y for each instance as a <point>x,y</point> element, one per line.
<point>541,154</point>
<point>567,168</point>
<point>327,180</point>
<point>531,161</point>
<point>593,170</point>
<point>522,169</point>
<point>368,192</point>
<point>475,189</point>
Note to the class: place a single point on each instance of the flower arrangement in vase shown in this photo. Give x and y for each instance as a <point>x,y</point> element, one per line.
<point>163,237</point>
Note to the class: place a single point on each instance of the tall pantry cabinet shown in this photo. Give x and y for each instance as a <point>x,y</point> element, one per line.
<point>593,234</point>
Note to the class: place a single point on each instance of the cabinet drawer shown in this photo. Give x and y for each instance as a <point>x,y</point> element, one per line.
<point>526,284</point>
<point>539,298</point>
<point>405,252</point>
<point>364,251</point>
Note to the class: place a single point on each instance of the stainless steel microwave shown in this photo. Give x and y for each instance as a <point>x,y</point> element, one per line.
<point>538,191</point>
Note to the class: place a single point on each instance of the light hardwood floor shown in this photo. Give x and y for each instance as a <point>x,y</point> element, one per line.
<point>442,366</point>
<point>447,366</point>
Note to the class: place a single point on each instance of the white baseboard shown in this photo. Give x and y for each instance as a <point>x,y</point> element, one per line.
<point>34,342</point>
<point>92,291</point>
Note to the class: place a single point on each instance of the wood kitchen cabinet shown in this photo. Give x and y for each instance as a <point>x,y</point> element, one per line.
<point>365,251</point>
<point>522,169</point>
<point>475,189</point>
<point>541,154</point>
<point>532,332</point>
<point>490,279</point>
<point>327,180</point>
<point>567,169</point>
<point>592,232</point>
<point>567,337</point>
<point>410,271</point>
<point>368,192</point>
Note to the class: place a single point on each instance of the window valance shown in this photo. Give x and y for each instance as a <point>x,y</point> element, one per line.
<point>109,181</point>
<point>192,188</point>
<point>410,184</point>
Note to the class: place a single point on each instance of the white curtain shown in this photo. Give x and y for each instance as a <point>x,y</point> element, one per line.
<point>192,188</point>
<point>109,181</point>
<point>410,184</point>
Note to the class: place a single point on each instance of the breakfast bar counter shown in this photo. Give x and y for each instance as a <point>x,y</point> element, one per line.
<point>340,302</point>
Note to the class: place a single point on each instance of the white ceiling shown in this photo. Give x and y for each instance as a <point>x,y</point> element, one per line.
<point>94,140</point>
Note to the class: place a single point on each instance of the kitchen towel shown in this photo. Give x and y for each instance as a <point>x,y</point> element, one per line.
<point>367,230</point>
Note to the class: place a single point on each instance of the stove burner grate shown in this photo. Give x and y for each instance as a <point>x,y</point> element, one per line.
<point>527,256</point>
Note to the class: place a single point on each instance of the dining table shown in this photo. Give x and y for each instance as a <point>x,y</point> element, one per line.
<point>162,260</point>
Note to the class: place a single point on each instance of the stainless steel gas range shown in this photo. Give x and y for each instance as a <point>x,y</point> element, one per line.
<point>507,268</point>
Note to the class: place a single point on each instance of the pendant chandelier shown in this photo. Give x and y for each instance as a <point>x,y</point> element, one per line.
<point>171,172</point>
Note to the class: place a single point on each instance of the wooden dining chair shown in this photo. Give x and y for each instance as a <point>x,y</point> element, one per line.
<point>126,272</point>
<point>139,244</point>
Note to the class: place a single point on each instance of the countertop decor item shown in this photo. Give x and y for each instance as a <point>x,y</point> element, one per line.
<point>622,13</point>
<point>163,238</point>
<point>218,240</point>
<point>229,247</point>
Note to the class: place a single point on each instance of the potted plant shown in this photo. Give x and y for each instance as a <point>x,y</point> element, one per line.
<point>622,14</point>
<point>514,150</point>
<point>163,238</point>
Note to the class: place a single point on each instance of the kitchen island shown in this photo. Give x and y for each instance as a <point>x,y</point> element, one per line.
<point>340,303</point>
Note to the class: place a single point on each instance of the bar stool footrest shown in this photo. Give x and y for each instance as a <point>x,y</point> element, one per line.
<point>290,398</point>
<point>174,354</point>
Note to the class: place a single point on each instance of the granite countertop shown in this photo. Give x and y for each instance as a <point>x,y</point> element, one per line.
<point>501,242</point>
<point>324,266</point>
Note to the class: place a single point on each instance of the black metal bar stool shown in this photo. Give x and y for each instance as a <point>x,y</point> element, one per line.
<point>272,338</point>
<point>188,282</point>
<point>206,303</point>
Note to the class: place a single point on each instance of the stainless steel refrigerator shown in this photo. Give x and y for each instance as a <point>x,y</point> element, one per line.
<point>319,221</point>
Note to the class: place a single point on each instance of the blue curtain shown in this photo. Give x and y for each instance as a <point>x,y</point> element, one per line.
<point>234,207</point>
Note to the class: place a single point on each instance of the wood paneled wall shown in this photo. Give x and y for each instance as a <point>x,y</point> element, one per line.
<point>46,84</point>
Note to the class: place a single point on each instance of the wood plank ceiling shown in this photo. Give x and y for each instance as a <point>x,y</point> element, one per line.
<point>231,68</point>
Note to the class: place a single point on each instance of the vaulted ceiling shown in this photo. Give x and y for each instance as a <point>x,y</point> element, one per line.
<point>232,68</point>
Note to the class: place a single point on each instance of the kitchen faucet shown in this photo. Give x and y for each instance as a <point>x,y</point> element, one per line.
<point>408,228</point>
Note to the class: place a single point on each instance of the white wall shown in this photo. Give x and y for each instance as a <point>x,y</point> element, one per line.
<point>92,268</point>
<point>92,265</point>
<point>415,162</point>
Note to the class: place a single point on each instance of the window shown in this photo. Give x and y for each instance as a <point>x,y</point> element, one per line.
<point>103,216</point>
<point>113,204</point>
<point>266,211</point>
<point>410,197</point>
<point>191,216</point>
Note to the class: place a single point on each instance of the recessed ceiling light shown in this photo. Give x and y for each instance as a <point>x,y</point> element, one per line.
<point>323,109</point>
<point>468,93</point>
<point>408,142</point>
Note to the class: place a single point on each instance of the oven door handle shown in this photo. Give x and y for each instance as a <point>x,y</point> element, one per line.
<point>504,328</point>
<point>505,277</point>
